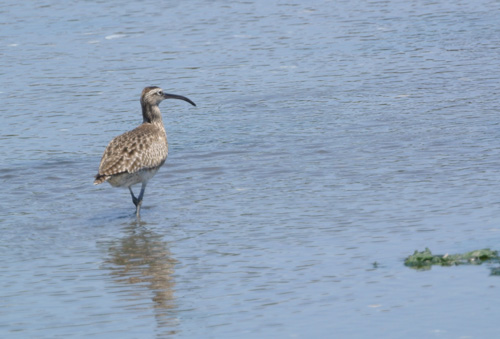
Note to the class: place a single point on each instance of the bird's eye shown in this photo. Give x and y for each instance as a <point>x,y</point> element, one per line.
<point>160,93</point>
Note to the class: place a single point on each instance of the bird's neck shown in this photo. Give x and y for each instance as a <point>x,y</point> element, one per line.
<point>151,114</point>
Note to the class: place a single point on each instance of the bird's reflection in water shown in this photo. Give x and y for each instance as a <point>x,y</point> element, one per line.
<point>142,259</point>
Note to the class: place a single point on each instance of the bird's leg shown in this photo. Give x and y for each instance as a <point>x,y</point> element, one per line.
<point>134,199</point>
<point>139,200</point>
<point>138,209</point>
<point>143,188</point>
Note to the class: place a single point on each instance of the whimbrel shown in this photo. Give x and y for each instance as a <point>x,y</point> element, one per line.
<point>135,156</point>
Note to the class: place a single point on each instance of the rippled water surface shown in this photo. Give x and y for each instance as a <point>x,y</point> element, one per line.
<point>331,140</point>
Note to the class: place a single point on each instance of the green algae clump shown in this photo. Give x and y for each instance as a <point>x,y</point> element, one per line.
<point>425,259</point>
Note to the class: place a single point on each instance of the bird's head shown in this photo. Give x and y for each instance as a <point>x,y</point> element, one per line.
<point>153,95</point>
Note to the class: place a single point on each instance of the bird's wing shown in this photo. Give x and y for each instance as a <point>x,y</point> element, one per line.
<point>144,147</point>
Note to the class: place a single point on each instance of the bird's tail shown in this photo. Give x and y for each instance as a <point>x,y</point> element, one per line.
<point>100,178</point>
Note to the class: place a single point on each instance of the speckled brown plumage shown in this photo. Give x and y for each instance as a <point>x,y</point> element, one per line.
<point>143,148</point>
<point>135,156</point>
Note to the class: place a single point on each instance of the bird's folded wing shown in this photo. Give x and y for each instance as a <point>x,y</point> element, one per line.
<point>130,152</point>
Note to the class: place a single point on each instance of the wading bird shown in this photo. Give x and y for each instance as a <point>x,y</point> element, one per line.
<point>135,156</point>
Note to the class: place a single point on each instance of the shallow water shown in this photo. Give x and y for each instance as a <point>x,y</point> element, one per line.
<point>330,141</point>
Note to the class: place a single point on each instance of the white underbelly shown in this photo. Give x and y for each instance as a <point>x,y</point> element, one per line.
<point>129,179</point>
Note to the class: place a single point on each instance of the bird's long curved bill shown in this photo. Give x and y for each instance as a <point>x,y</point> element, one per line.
<point>180,97</point>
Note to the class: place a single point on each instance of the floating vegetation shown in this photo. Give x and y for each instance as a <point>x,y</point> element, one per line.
<point>425,259</point>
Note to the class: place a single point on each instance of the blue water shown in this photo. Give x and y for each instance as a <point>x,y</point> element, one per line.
<point>330,141</point>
